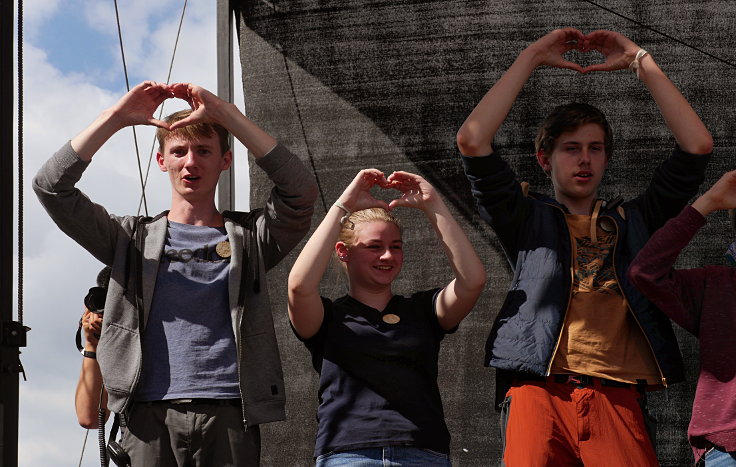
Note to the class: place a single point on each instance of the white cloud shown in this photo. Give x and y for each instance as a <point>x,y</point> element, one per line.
<point>35,13</point>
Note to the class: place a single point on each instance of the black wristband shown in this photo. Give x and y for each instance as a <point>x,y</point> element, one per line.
<point>89,354</point>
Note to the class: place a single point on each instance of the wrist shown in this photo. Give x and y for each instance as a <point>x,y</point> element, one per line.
<point>223,112</point>
<point>114,119</point>
<point>532,56</point>
<point>704,206</point>
<point>635,58</point>
<point>346,211</point>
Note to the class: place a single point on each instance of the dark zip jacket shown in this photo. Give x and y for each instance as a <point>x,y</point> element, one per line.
<point>536,240</point>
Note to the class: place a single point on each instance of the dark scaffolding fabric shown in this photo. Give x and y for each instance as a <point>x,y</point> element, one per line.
<point>386,84</point>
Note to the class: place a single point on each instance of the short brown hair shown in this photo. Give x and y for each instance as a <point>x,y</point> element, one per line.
<point>570,117</point>
<point>192,132</point>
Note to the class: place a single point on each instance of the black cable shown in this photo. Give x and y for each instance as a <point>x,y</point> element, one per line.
<point>127,86</point>
<point>101,412</point>
<point>20,162</point>
<point>161,112</point>
<point>639,23</point>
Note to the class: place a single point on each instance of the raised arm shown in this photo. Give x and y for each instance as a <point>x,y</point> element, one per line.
<point>306,311</point>
<point>134,108</point>
<point>459,296</point>
<point>679,293</point>
<point>89,387</point>
<point>689,131</point>
<point>476,135</point>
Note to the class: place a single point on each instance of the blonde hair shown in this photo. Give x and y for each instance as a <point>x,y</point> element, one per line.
<point>347,232</point>
<point>192,132</point>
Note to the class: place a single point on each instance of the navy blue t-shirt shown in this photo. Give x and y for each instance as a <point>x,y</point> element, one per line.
<point>378,381</point>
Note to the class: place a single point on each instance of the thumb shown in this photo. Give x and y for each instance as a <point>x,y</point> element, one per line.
<point>180,124</point>
<point>159,123</point>
<point>570,66</point>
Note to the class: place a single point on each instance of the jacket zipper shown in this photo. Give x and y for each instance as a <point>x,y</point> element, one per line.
<point>569,294</point>
<point>138,273</point>
<point>567,307</point>
<point>248,242</point>
<point>238,346</point>
<point>628,307</point>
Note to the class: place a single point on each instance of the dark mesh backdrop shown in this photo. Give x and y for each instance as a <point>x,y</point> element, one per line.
<point>386,84</point>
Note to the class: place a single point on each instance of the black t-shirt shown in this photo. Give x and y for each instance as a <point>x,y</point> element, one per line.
<point>378,381</point>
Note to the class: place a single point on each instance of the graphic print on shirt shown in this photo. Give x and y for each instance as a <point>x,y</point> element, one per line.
<point>205,254</point>
<point>594,265</point>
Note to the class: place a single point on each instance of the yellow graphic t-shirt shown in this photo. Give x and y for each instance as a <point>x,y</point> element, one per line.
<point>600,336</point>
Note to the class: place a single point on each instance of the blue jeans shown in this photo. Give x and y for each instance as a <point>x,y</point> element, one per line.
<point>717,458</point>
<point>390,456</point>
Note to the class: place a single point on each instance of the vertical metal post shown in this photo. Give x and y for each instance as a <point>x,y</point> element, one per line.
<point>9,354</point>
<point>226,187</point>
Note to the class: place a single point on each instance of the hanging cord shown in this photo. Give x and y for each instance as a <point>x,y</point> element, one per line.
<point>161,112</point>
<point>127,86</point>
<point>101,412</point>
<point>662,33</point>
<point>20,165</point>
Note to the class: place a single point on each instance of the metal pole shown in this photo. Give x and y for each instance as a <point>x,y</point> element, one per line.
<point>226,187</point>
<point>9,352</point>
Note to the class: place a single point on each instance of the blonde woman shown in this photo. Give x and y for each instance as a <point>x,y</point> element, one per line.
<point>376,352</point>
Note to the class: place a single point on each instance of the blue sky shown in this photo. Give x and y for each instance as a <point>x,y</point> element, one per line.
<point>73,71</point>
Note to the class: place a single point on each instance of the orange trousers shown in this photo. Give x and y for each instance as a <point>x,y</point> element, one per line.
<point>560,424</point>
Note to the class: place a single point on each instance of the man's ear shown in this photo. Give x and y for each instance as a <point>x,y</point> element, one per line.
<point>543,161</point>
<point>227,160</point>
<point>342,251</point>
<point>160,160</point>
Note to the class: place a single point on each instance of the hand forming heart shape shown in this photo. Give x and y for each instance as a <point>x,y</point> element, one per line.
<point>416,191</point>
<point>617,49</point>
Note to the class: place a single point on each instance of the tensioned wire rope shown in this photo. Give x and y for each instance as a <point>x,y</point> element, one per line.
<point>650,28</point>
<point>143,181</point>
<point>127,87</point>
<point>161,111</point>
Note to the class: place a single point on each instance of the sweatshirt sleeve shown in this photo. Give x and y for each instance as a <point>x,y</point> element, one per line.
<point>86,222</point>
<point>289,208</point>
<point>678,293</point>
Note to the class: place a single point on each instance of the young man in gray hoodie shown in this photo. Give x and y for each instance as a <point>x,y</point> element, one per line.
<point>188,351</point>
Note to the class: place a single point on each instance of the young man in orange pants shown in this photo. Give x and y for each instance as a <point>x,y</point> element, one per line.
<point>574,344</point>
